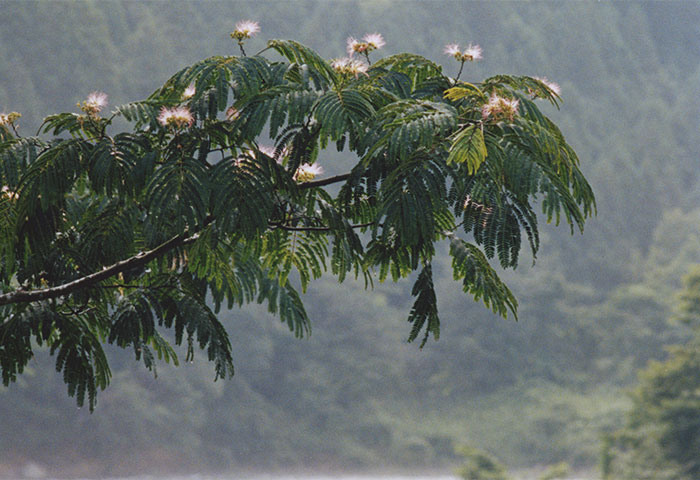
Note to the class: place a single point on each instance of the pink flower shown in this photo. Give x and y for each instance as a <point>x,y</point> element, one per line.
<point>354,46</point>
<point>178,117</point>
<point>552,86</point>
<point>8,118</point>
<point>350,66</point>
<point>94,103</point>
<point>189,92</point>
<point>452,49</point>
<point>341,63</point>
<point>6,192</point>
<point>470,54</point>
<point>307,172</point>
<point>356,67</point>
<point>371,41</point>
<point>246,29</point>
<point>374,40</point>
<point>98,99</point>
<point>500,108</point>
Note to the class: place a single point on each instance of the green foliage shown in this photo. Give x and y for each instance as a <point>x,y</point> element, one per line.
<point>688,309</point>
<point>478,278</point>
<point>111,237</point>
<point>559,470</point>
<point>424,312</point>
<point>469,148</point>
<point>662,437</point>
<point>479,465</point>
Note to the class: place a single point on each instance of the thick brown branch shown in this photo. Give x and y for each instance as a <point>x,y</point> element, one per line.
<point>325,181</point>
<point>142,258</point>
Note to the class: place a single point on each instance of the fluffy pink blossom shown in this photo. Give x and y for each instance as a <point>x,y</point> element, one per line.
<point>10,194</point>
<point>357,67</point>
<point>470,54</point>
<point>341,63</point>
<point>94,103</point>
<point>452,49</point>
<point>245,29</point>
<point>554,87</point>
<point>307,172</point>
<point>350,66</point>
<point>354,46</point>
<point>189,92</point>
<point>500,108</point>
<point>178,117</point>
<point>8,118</point>
<point>374,40</point>
<point>98,99</point>
<point>370,42</point>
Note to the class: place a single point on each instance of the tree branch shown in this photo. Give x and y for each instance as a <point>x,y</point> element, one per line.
<point>325,181</point>
<point>140,259</point>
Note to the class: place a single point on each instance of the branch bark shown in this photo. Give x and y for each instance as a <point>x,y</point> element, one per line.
<point>325,181</point>
<point>140,259</point>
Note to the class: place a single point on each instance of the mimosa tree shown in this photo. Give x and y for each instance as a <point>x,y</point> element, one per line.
<point>110,237</point>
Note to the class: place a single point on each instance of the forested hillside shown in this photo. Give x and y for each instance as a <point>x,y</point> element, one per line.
<point>594,308</point>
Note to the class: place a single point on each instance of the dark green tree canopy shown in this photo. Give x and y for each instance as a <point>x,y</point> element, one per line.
<point>112,236</point>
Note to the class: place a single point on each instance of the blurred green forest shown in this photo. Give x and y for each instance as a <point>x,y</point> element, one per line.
<point>355,395</point>
<point>662,436</point>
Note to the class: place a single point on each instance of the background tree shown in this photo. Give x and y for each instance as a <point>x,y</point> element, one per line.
<point>479,465</point>
<point>662,437</point>
<point>108,236</point>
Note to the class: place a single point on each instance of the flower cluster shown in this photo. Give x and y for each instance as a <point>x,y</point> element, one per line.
<point>370,42</point>
<point>307,172</point>
<point>500,108</point>
<point>178,117</point>
<point>9,118</point>
<point>94,103</point>
<point>245,29</point>
<point>350,66</point>
<point>189,92</point>
<point>552,86</point>
<point>470,54</point>
<point>6,192</point>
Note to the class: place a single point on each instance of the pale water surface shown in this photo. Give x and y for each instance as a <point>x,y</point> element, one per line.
<point>300,476</point>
